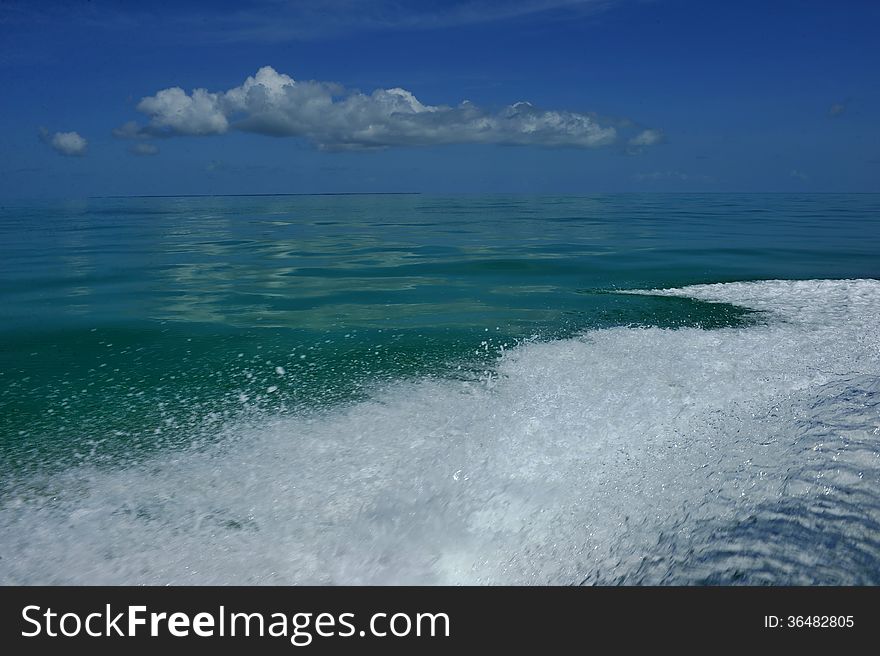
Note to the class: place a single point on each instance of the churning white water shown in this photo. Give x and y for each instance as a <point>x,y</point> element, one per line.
<point>624,455</point>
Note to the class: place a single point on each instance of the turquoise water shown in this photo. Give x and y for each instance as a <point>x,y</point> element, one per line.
<point>417,389</point>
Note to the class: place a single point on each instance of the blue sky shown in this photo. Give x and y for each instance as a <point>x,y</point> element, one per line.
<point>351,96</point>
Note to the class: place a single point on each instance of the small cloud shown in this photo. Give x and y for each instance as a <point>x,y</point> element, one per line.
<point>837,109</point>
<point>799,175</point>
<point>70,144</point>
<point>143,149</point>
<point>130,130</point>
<point>648,137</point>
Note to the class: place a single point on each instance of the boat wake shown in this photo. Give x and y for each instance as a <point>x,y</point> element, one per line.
<point>624,455</point>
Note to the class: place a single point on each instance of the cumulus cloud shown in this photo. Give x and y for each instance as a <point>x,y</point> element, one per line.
<point>647,138</point>
<point>173,110</point>
<point>274,104</point>
<point>143,149</point>
<point>70,144</point>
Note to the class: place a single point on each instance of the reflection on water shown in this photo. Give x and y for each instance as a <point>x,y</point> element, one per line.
<point>318,261</point>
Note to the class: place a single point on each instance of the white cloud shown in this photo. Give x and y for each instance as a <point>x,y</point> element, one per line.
<point>70,144</point>
<point>647,138</point>
<point>274,104</point>
<point>174,110</point>
<point>143,149</point>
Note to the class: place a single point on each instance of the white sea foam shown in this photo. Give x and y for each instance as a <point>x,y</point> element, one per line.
<point>626,454</point>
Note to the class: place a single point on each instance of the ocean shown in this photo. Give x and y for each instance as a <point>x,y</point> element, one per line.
<point>412,389</point>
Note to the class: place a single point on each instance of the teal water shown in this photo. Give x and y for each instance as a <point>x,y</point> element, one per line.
<point>342,348</point>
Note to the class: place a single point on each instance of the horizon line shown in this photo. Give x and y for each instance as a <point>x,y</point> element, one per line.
<point>316,193</point>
